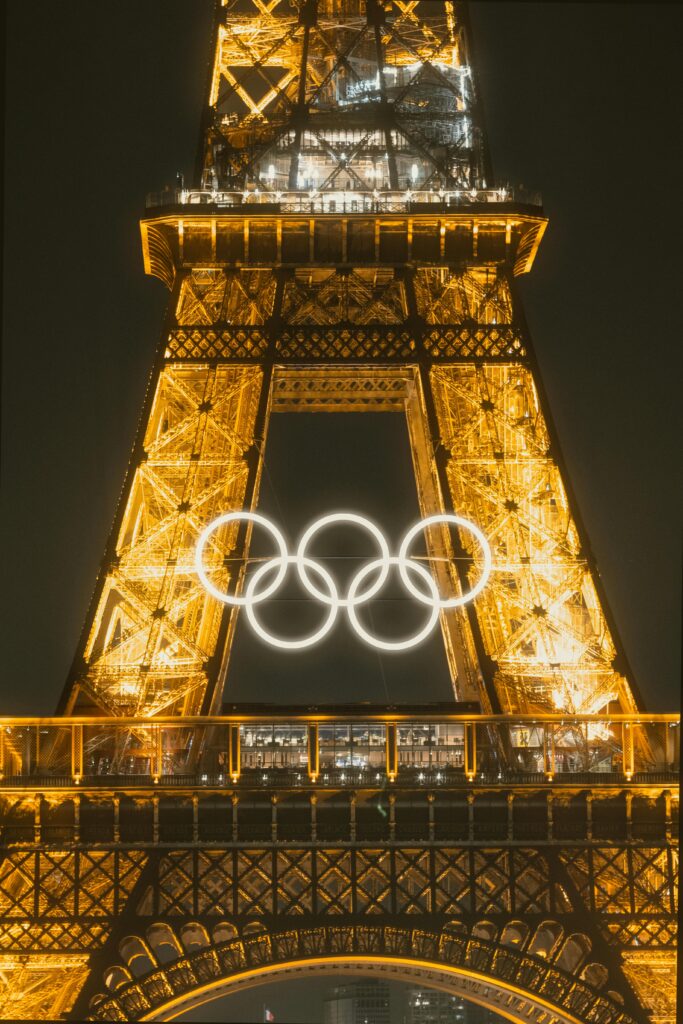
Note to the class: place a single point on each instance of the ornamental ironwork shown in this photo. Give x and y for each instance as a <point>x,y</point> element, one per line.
<point>344,248</point>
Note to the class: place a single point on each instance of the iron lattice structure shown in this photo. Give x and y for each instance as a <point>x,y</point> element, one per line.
<point>345,248</point>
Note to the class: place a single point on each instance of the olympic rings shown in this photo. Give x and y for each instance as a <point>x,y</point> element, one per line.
<point>278,564</point>
<point>393,645</point>
<point>333,602</point>
<point>403,561</point>
<point>232,517</point>
<point>344,517</point>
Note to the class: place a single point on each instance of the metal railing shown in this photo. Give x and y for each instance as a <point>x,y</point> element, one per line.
<point>338,751</point>
<point>338,201</point>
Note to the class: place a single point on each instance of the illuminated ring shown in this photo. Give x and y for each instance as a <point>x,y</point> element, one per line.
<point>403,560</point>
<point>276,641</point>
<point>251,598</point>
<point>343,517</point>
<point>355,595</point>
<point>393,645</point>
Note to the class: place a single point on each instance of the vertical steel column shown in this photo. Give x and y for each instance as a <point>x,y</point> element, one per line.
<point>313,752</point>
<point>391,750</point>
<point>234,753</point>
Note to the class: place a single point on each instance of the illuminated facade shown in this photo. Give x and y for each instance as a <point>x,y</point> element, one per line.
<point>345,249</point>
<point>427,1006</point>
<point>358,1002</point>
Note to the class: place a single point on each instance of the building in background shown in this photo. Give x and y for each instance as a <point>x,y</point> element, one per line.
<point>359,1002</point>
<point>428,1006</point>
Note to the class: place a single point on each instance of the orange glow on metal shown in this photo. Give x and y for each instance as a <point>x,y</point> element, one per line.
<point>172,1009</point>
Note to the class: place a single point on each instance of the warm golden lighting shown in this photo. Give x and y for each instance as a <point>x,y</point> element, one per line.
<point>343,249</point>
<point>481,990</point>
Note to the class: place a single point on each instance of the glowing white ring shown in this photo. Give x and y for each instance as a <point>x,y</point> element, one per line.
<point>276,641</point>
<point>343,517</point>
<point>231,517</point>
<point>354,598</point>
<point>451,602</point>
<point>393,645</point>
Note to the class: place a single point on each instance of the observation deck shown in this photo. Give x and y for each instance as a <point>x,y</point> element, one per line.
<point>315,748</point>
<point>188,229</point>
<point>346,200</point>
<point>317,775</point>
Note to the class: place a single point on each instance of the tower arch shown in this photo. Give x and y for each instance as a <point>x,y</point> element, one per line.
<point>478,962</point>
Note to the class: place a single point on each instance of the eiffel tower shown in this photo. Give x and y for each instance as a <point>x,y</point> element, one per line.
<point>345,248</point>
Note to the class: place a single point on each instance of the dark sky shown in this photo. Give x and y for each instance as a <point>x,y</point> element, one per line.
<point>583,101</point>
<point>103,101</point>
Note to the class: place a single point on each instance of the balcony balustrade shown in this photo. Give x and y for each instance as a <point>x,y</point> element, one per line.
<point>314,750</point>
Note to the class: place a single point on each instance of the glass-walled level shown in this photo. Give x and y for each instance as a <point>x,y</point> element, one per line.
<point>274,745</point>
<point>427,746</point>
<point>353,199</point>
<point>359,745</point>
<point>302,751</point>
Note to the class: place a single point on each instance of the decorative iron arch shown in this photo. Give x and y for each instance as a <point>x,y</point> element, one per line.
<point>528,976</point>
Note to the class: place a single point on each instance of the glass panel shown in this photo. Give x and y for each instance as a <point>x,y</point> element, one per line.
<point>415,743</point>
<point>671,745</point>
<point>587,747</point>
<point>656,747</point>
<point>53,750</point>
<point>527,748</point>
<point>208,746</point>
<point>569,749</point>
<point>368,747</point>
<point>274,745</point>
<point>603,747</point>
<point>19,749</point>
<point>335,745</point>
<point>117,750</point>
<point>181,748</point>
<point>449,746</point>
<point>488,761</point>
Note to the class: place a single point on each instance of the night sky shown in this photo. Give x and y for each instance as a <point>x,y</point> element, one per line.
<point>103,104</point>
<point>582,101</point>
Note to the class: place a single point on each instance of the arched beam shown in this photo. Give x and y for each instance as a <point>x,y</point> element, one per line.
<point>524,984</point>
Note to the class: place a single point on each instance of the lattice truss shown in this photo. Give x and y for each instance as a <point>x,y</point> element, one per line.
<point>469,295</point>
<point>472,296</point>
<point>540,615</point>
<point>339,64</point>
<point>342,881</point>
<point>156,626</point>
<point>40,987</point>
<point>211,296</point>
<point>653,976</point>
<point>634,895</point>
<point>217,896</point>
<point>364,295</point>
<point>56,907</point>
